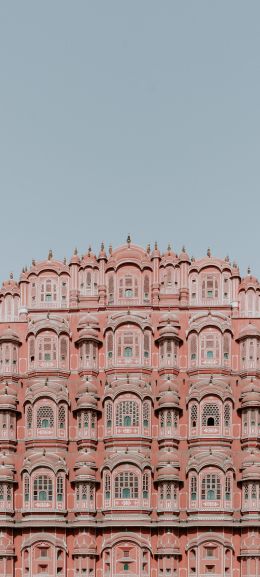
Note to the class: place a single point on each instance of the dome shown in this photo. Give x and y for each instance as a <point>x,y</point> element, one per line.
<point>251,466</point>
<point>168,318</point>
<point>9,335</point>
<point>85,472</point>
<point>249,281</point>
<point>168,398</point>
<point>168,472</point>
<point>249,330</point>
<point>86,400</point>
<point>166,457</point>
<point>5,473</point>
<point>250,395</point>
<point>8,397</point>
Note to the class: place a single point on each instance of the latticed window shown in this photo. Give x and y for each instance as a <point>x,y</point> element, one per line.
<point>45,417</point>
<point>32,349</point>
<point>61,417</point>
<point>254,491</point>
<point>59,488</point>
<point>63,349</point>
<point>210,415</point>
<point>2,496</point>
<point>146,344</point>
<point>146,414</point>
<point>107,486</point>
<point>26,488</point>
<point>210,488</point>
<point>111,288</point>
<point>226,346</point>
<point>127,414</point>
<point>47,349</point>
<point>209,287</point>
<point>109,411</point>
<point>29,417</point>
<point>246,492</point>
<point>227,415</point>
<point>194,415</point>
<point>146,287</point>
<point>193,348</point>
<point>227,489</point>
<point>193,488</point>
<point>110,345</point>
<point>126,486</point>
<point>42,488</point>
<point>93,419</point>
<point>145,485</point>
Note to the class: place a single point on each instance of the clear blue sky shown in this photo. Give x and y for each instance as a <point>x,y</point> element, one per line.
<point>135,116</point>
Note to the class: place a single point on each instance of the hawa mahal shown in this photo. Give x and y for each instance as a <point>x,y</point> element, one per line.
<point>130,417</point>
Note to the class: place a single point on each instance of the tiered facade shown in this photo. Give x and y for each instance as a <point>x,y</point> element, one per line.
<point>130,417</point>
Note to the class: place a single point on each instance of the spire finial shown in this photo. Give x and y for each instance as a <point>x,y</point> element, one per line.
<point>110,250</point>
<point>64,260</point>
<point>183,248</point>
<point>156,245</point>
<point>249,270</point>
<point>148,248</point>
<point>209,252</point>
<point>128,240</point>
<point>75,251</point>
<point>11,275</point>
<point>50,255</point>
<point>33,262</point>
<point>102,245</point>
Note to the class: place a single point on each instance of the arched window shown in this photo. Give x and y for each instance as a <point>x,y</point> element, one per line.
<point>63,350</point>
<point>49,291</point>
<point>210,348</point>
<point>111,288</point>
<point>45,417</point>
<point>146,345</point>
<point>42,488</point>
<point>227,415</point>
<point>126,486</point>
<point>47,350</point>
<point>210,287</point>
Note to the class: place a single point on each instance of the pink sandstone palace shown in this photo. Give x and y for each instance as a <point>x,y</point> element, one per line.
<point>130,417</point>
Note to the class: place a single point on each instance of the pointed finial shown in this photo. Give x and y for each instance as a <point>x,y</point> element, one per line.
<point>249,270</point>
<point>33,262</point>
<point>89,250</point>
<point>110,250</point>
<point>192,259</point>
<point>227,258</point>
<point>169,248</point>
<point>156,245</point>
<point>50,255</point>
<point>75,251</point>
<point>64,260</point>
<point>128,240</point>
<point>11,275</point>
<point>148,248</point>
<point>102,246</point>
<point>183,249</point>
<point>209,252</point>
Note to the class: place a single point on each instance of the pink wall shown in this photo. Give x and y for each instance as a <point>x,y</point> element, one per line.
<point>130,417</point>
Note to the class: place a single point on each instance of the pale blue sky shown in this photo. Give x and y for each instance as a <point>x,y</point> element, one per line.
<point>135,116</point>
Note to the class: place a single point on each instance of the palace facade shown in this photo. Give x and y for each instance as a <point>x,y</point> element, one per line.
<point>130,417</point>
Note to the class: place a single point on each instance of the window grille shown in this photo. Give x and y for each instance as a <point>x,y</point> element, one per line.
<point>109,410</point>
<point>45,417</point>
<point>228,489</point>
<point>227,415</point>
<point>107,486</point>
<point>26,488</point>
<point>42,488</point>
<point>29,417</point>
<point>210,415</point>
<point>62,417</point>
<point>126,486</point>
<point>127,412</point>
<point>194,415</point>
<point>59,488</point>
<point>210,489</point>
<point>145,485</point>
<point>146,414</point>
<point>193,488</point>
